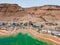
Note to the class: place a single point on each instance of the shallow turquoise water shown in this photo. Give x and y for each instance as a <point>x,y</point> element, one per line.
<point>20,39</point>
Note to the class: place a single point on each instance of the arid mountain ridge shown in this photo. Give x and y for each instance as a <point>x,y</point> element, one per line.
<point>14,12</point>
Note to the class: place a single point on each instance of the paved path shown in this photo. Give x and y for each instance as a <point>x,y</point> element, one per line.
<point>45,36</point>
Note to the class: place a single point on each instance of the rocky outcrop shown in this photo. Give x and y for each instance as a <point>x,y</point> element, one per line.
<point>9,8</point>
<point>46,12</point>
<point>10,12</point>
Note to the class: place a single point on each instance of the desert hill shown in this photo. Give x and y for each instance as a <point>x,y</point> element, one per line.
<point>10,12</point>
<point>46,12</point>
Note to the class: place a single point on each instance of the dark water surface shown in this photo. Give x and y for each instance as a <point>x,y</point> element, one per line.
<point>20,39</point>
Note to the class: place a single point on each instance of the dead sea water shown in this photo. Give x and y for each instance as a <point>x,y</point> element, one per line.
<point>21,39</point>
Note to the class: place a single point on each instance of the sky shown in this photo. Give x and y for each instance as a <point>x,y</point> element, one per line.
<point>30,3</point>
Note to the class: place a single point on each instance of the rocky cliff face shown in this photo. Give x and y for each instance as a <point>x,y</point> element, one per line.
<point>46,12</point>
<point>9,7</point>
<point>10,12</point>
<point>14,12</point>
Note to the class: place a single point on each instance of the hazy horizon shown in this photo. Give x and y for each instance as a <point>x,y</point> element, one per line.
<point>31,3</point>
